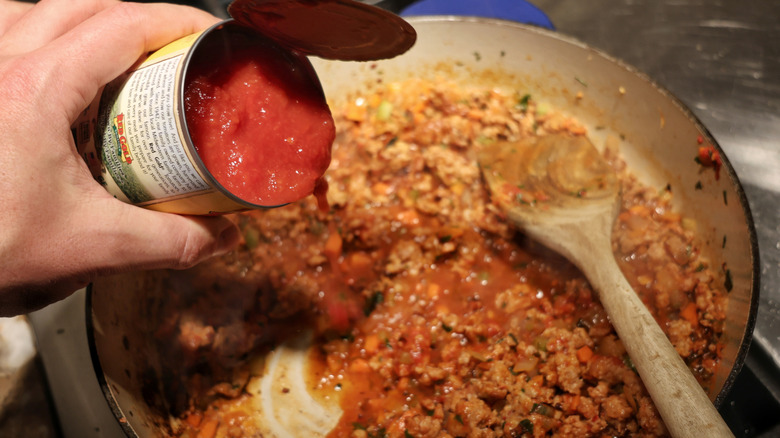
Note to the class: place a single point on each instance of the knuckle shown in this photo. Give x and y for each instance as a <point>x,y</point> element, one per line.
<point>130,13</point>
<point>22,78</point>
<point>193,251</point>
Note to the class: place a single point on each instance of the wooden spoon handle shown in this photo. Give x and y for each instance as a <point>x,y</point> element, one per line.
<point>684,406</point>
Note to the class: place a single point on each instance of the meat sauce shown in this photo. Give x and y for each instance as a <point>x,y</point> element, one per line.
<point>433,316</point>
<point>258,119</point>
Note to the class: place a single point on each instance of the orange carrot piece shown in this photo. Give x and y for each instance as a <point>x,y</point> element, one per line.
<point>371,344</point>
<point>333,245</point>
<point>409,217</point>
<point>690,314</point>
<point>359,366</point>
<point>433,291</point>
<point>209,429</point>
<point>584,354</point>
<point>194,419</point>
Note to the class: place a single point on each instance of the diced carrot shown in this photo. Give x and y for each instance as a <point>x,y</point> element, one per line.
<point>584,354</point>
<point>359,262</point>
<point>371,344</point>
<point>234,418</point>
<point>458,188</point>
<point>409,217</point>
<point>209,429</point>
<point>380,188</point>
<point>194,418</point>
<point>578,130</point>
<point>359,366</point>
<point>433,291</point>
<point>333,245</point>
<point>475,114</point>
<point>374,100</point>
<point>690,314</point>
<point>418,108</point>
<point>442,309</point>
<point>640,210</point>
<point>356,111</point>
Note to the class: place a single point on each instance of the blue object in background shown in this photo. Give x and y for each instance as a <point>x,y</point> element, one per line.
<point>516,10</point>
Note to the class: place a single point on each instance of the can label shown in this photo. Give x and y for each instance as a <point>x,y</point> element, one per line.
<point>133,139</point>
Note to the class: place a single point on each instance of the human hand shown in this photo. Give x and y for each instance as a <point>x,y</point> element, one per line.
<point>59,228</point>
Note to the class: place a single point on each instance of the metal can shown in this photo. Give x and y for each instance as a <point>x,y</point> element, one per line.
<point>134,136</point>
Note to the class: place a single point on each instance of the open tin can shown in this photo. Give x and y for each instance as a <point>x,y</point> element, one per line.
<point>134,135</point>
<point>135,141</point>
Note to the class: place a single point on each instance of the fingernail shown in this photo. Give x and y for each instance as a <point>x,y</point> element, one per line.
<point>227,240</point>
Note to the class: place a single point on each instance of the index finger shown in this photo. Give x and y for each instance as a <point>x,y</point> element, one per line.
<point>105,45</point>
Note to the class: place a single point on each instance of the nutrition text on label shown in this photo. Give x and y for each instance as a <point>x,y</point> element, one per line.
<point>151,125</point>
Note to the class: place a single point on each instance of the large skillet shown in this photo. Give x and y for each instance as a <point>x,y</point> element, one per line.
<point>657,135</point>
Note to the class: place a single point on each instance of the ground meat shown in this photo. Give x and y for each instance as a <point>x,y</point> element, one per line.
<point>432,313</point>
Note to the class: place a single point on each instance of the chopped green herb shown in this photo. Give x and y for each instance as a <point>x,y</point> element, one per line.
<point>723,244</point>
<point>407,434</point>
<point>376,299</point>
<point>700,268</point>
<point>698,185</point>
<point>446,328</point>
<point>458,419</point>
<point>527,426</point>
<point>584,84</point>
<point>445,239</point>
<point>523,103</point>
<point>477,56</point>
<point>629,363</point>
<point>725,198</point>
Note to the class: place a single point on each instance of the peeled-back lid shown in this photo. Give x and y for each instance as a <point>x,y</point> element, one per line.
<point>344,30</point>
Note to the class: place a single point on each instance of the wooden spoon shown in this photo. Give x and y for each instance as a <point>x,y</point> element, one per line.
<point>561,191</point>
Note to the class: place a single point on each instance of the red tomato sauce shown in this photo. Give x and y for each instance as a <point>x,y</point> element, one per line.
<point>258,119</point>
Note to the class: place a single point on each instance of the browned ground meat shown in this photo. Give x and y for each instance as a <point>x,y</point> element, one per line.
<point>435,317</point>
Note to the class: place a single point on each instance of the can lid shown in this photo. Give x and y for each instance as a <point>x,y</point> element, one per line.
<point>344,30</point>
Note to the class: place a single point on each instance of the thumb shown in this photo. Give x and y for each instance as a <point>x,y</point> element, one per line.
<point>137,238</point>
<point>104,238</point>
